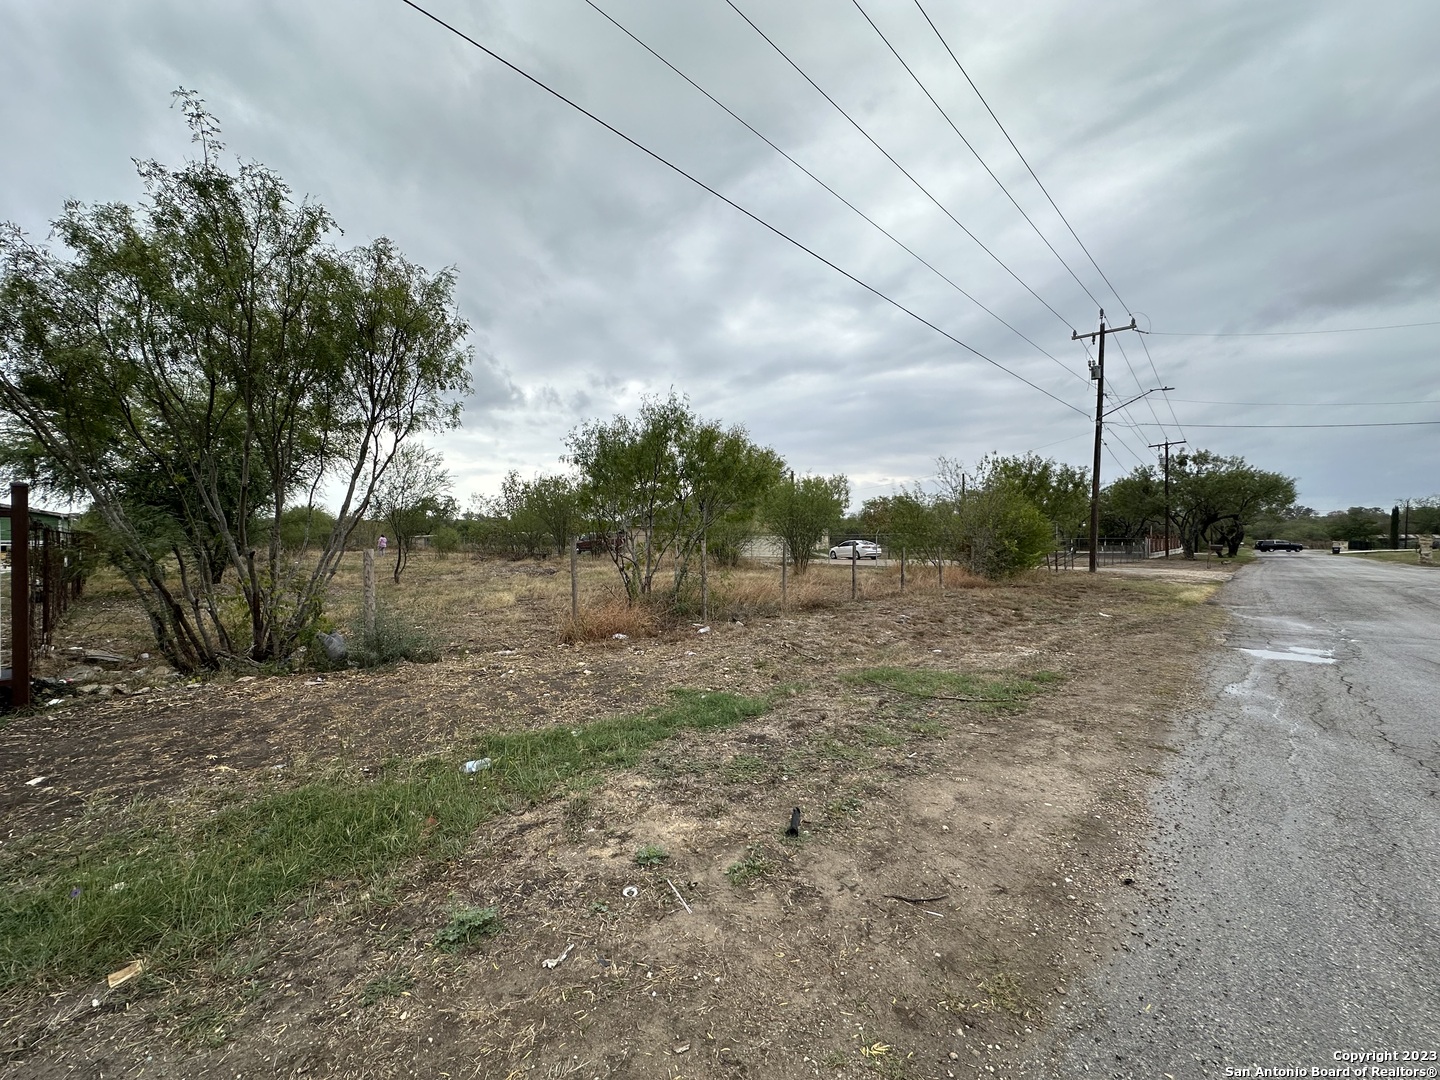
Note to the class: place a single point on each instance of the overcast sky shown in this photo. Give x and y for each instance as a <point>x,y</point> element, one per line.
<point>1233,168</point>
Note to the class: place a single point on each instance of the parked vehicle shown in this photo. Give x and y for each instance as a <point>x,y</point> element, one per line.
<point>598,542</point>
<point>1278,545</point>
<point>855,549</point>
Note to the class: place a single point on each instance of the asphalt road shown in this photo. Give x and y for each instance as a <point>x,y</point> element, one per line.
<point>1290,906</point>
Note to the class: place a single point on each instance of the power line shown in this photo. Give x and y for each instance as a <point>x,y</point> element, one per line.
<point>1138,386</point>
<point>953,127</point>
<point>1021,156</point>
<point>1304,404</point>
<point>1390,423</point>
<point>1166,396</point>
<point>1293,333</point>
<point>1025,161</point>
<point>730,202</point>
<point>889,157</point>
<point>884,231</point>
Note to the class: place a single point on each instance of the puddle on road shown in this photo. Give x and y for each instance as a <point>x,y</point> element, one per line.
<point>1295,653</point>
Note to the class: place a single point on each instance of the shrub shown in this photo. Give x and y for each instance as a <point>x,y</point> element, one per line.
<point>466,926</point>
<point>393,639</point>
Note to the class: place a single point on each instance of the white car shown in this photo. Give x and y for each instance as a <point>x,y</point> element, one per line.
<point>855,549</point>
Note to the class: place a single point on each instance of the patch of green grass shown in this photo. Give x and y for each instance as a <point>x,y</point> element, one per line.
<point>1404,557</point>
<point>879,735</point>
<point>928,683</point>
<point>391,984</point>
<point>651,855</point>
<point>467,926</point>
<point>842,751</point>
<point>75,904</point>
<point>848,805</point>
<point>926,727</point>
<point>754,866</point>
<point>746,769</point>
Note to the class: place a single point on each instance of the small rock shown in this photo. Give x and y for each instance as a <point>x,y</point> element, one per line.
<point>80,673</point>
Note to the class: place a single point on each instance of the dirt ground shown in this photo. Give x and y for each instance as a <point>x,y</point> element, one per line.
<point>944,889</point>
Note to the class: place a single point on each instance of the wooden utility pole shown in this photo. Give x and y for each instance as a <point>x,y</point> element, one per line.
<point>1167,445</point>
<point>1097,372</point>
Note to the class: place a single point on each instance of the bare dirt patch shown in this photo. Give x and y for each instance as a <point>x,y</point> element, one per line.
<point>941,893</point>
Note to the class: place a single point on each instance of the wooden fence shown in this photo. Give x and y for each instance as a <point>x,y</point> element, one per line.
<point>15,648</point>
<point>42,572</point>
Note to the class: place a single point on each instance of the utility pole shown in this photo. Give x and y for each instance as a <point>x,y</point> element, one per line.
<point>1097,372</point>
<point>1167,445</point>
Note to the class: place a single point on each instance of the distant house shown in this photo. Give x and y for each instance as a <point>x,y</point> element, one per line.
<point>48,519</point>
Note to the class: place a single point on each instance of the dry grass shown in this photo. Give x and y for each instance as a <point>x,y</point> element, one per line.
<point>462,603</point>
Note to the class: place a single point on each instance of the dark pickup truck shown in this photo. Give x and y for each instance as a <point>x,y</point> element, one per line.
<point>1278,545</point>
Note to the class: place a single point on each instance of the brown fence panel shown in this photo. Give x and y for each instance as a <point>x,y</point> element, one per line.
<point>15,618</point>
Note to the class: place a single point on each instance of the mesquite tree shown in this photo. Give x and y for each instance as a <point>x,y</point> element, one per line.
<point>659,483</point>
<point>199,364</point>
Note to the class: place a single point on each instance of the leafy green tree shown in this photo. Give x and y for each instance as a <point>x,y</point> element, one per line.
<point>300,526</point>
<point>553,504</point>
<point>1004,532</point>
<point>802,510</point>
<point>1215,497</point>
<point>1133,505</point>
<point>723,475</point>
<point>915,522</point>
<point>1425,515</point>
<point>662,481</point>
<point>1061,492</point>
<point>728,537</point>
<point>412,497</point>
<point>1359,523</point>
<point>198,365</point>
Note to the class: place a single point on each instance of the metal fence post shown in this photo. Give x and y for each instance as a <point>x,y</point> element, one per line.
<point>19,595</point>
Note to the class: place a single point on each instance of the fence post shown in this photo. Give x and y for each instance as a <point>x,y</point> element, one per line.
<point>368,562</point>
<point>854,562</point>
<point>19,595</point>
<point>784,558</point>
<point>902,567</point>
<point>704,585</point>
<point>575,579</point>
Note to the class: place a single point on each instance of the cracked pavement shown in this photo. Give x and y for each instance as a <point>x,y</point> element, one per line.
<point>1288,908</point>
